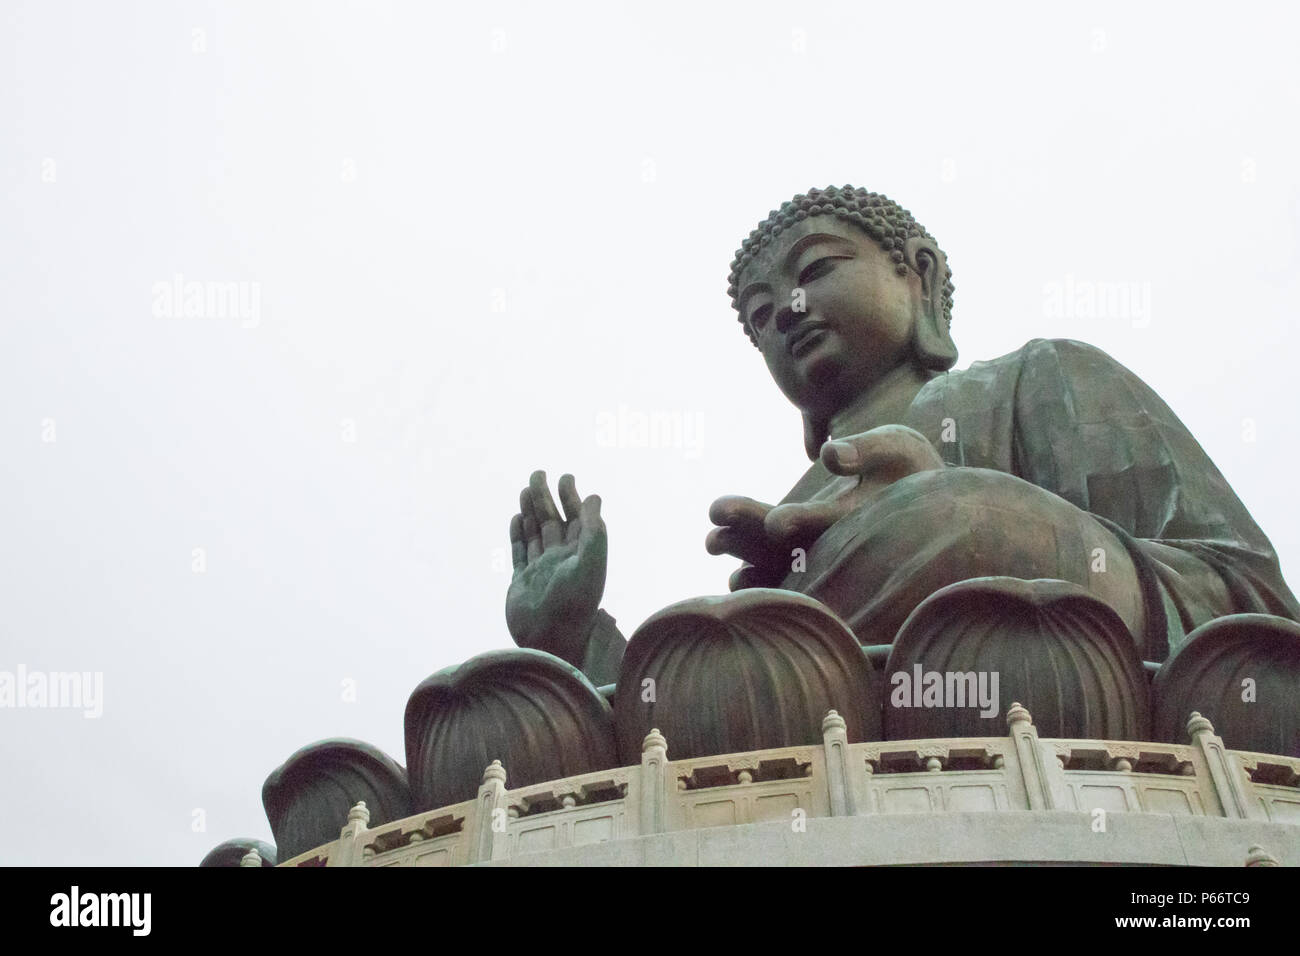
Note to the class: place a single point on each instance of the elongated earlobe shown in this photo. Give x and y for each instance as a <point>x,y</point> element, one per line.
<point>932,342</point>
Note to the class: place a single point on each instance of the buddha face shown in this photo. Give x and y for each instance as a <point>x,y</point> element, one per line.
<point>831,314</point>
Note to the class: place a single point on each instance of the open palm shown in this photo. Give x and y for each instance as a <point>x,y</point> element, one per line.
<point>559,569</point>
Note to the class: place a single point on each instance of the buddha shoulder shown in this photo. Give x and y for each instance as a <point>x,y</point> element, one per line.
<point>1059,365</point>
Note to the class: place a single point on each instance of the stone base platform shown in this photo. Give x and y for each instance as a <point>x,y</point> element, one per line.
<point>951,839</point>
<point>1016,799</point>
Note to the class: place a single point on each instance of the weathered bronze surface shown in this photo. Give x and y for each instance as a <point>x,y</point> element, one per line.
<point>1053,462</point>
<point>1049,645</point>
<point>946,474</point>
<point>536,714</point>
<point>1043,515</point>
<point>1243,674</point>
<point>748,671</point>
<point>307,798</point>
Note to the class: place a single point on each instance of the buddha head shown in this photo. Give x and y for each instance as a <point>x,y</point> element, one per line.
<point>838,289</point>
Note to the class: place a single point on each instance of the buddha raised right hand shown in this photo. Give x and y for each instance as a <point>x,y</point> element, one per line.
<point>559,574</point>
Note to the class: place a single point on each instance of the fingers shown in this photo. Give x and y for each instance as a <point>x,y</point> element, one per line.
<point>552,534</point>
<point>721,540</point>
<point>572,505</point>
<point>803,523</point>
<point>543,503</point>
<point>748,576</point>
<point>532,533</point>
<point>518,544</point>
<point>591,522</point>
<point>741,529</point>
<point>593,546</point>
<point>540,524</point>
<point>737,510</point>
<point>548,516</point>
<point>841,457</point>
<point>569,498</point>
<point>737,579</point>
<point>887,451</point>
<point>747,543</point>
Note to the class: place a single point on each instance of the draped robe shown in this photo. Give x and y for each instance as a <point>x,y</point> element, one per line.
<point>1065,417</point>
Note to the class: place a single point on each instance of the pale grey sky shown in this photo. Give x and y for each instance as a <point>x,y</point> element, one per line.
<point>477,239</point>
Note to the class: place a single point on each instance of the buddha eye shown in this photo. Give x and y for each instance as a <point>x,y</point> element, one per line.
<point>758,318</point>
<point>817,269</point>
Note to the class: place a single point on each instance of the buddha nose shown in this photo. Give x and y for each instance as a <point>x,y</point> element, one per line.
<point>786,318</point>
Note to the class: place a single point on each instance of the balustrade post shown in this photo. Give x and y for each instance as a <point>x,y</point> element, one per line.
<point>490,820</point>
<point>347,850</point>
<point>1227,775</point>
<point>841,783</point>
<point>1038,777</point>
<point>654,783</point>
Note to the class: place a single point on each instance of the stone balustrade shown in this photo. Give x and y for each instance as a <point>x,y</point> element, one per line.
<point>958,782</point>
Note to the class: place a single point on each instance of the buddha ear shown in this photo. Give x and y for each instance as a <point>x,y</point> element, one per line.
<point>932,341</point>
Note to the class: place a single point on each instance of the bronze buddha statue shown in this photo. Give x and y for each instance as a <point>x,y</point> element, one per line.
<point>1041,518</point>
<point>1053,461</point>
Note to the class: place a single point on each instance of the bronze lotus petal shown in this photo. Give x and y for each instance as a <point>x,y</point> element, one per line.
<point>1059,651</point>
<point>1242,672</point>
<point>307,798</point>
<point>747,671</point>
<point>532,711</point>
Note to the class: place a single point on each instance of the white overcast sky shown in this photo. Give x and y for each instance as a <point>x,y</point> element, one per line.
<point>474,230</point>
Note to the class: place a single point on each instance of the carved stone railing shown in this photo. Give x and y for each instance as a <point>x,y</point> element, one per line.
<point>1018,772</point>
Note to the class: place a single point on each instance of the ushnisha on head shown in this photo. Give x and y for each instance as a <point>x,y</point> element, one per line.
<point>877,215</point>
<point>843,292</point>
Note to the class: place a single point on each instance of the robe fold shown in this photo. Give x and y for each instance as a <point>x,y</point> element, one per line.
<point>1067,417</point>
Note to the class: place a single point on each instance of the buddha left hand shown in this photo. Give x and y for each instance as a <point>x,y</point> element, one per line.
<point>764,536</point>
<point>866,464</point>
